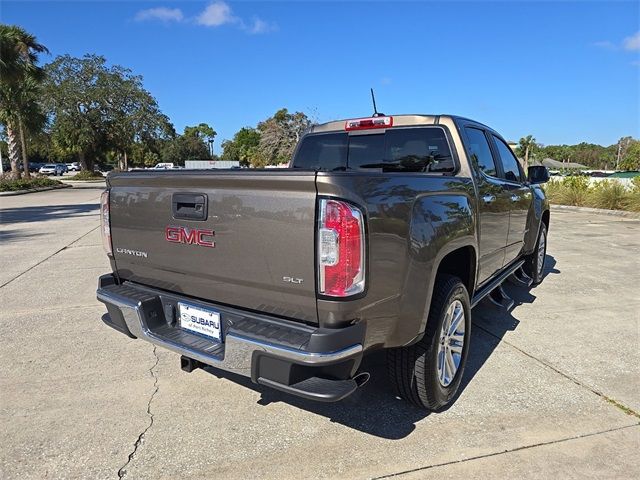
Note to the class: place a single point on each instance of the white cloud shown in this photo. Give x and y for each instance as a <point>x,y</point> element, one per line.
<point>632,42</point>
<point>259,26</point>
<point>161,14</point>
<point>605,44</point>
<point>216,14</point>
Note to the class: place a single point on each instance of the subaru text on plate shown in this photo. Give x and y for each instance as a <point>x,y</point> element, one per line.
<point>382,234</point>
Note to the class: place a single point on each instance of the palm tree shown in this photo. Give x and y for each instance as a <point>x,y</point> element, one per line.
<point>19,78</point>
<point>526,147</point>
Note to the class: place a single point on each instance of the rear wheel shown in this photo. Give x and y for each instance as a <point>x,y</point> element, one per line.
<point>429,372</point>
<point>534,264</point>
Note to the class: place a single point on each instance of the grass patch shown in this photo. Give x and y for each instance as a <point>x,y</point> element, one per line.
<point>11,185</point>
<point>87,175</point>
<point>606,194</point>
<point>625,409</point>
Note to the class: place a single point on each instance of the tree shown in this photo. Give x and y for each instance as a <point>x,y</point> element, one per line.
<point>621,149</point>
<point>19,79</point>
<point>527,147</point>
<point>243,147</point>
<point>279,136</point>
<point>631,159</point>
<point>192,145</point>
<point>203,132</point>
<point>95,109</point>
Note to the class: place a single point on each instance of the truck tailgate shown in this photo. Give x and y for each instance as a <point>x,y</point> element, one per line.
<point>255,249</point>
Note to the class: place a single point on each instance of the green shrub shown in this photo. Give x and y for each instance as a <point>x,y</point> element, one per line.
<point>568,191</point>
<point>608,194</point>
<point>633,196</point>
<point>10,185</point>
<point>87,175</point>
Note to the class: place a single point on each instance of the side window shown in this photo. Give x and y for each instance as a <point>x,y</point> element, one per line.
<point>509,161</point>
<point>480,151</point>
<point>325,151</point>
<point>425,146</point>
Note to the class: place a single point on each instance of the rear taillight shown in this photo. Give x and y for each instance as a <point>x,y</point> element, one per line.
<point>341,251</point>
<point>105,225</point>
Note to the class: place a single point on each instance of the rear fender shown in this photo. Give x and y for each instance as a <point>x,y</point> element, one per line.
<point>440,224</point>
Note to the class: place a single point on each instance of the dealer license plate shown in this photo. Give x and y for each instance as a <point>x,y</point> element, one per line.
<point>200,320</point>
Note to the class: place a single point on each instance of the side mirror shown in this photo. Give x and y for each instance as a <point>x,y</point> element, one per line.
<point>538,174</point>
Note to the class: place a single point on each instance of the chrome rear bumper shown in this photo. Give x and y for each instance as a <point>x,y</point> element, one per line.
<point>293,349</point>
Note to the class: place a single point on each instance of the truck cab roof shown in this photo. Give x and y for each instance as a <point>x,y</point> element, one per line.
<point>402,120</point>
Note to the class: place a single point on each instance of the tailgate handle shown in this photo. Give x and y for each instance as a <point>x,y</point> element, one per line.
<point>189,206</point>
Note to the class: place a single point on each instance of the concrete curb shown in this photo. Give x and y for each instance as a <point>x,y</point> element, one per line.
<point>72,182</point>
<point>33,190</point>
<point>597,211</point>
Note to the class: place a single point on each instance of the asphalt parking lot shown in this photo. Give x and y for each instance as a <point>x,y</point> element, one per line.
<point>552,389</point>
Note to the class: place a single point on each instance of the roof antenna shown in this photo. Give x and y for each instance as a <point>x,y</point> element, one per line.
<point>375,109</point>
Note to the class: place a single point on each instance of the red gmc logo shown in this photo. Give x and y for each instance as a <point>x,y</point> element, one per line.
<point>190,236</point>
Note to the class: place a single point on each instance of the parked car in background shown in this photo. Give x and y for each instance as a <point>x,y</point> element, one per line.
<point>54,169</point>
<point>34,167</point>
<point>102,167</point>
<point>6,167</point>
<point>73,167</point>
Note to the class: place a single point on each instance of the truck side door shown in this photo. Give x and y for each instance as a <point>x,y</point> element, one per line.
<point>493,204</point>
<point>519,197</point>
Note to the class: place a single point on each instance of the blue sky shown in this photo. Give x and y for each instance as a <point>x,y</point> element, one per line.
<point>563,71</point>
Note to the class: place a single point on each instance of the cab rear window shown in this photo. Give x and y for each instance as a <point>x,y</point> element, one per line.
<point>421,149</point>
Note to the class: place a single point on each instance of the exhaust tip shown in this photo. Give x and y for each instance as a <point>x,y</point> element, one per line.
<point>362,378</point>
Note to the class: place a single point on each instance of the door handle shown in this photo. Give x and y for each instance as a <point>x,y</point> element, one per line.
<point>488,198</point>
<point>515,198</point>
<point>189,206</point>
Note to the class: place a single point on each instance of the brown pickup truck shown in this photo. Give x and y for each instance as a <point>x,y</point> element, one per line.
<point>382,234</point>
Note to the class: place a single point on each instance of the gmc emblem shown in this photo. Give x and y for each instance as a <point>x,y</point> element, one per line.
<point>190,236</point>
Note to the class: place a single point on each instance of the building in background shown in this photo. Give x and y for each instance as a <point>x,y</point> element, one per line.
<point>209,164</point>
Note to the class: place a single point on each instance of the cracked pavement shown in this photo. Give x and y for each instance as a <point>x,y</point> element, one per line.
<point>552,389</point>
<point>123,470</point>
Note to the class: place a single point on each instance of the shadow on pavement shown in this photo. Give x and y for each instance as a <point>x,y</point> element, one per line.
<point>492,323</point>
<point>8,236</point>
<point>46,212</point>
<point>374,409</point>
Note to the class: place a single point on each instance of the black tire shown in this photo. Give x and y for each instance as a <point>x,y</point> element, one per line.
<point>533,266</point>
<point>413,370</point>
